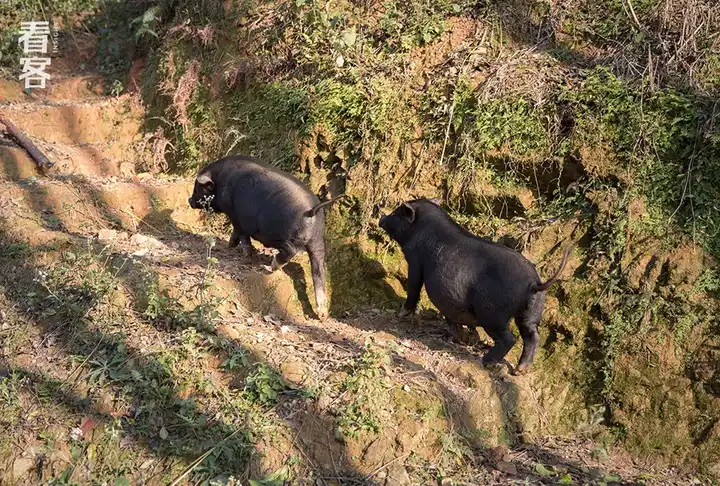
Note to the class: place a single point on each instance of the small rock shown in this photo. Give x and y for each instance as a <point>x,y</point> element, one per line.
<point>379,452</point>
<point>229,331</point>
<point>76,433</point>
<point>507,468</point>
<point>138,239</point>
<point>323,402</point>
<point>446,482</point>
<point>22,466</point>
<point>375,270</point>
<point>293,370</point>
<point>140,253</point>
<point>107,235</point>
<point>127,169</point>
<point>398,476</point>
<point>497,454</point>
<point>337,377</point>
<point>145,241</point>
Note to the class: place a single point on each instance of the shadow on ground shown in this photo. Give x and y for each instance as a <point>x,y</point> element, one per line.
<point>151,402</point>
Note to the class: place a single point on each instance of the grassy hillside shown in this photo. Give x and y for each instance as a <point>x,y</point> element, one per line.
<point>536,123</point>
<point>594,121</point>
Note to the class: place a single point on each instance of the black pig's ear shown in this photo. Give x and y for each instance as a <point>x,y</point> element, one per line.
<point>206,181</point>
<point>409,211</point>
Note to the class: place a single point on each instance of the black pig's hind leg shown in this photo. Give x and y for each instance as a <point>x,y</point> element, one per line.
<point>527,324</point>
<point>504,340</point>
<point>316,252</point>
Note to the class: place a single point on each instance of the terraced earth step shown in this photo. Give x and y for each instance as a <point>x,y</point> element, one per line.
<point>83,205</point>
<point>116,120</point>
<point>82,135</point>
<point>76,159</point>
<point>63,89</point>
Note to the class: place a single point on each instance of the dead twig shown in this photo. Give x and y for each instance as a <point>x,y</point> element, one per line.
<point>386,465</point>
<point>200,459</point>
<point>31,148</point>
<point>634,17</point>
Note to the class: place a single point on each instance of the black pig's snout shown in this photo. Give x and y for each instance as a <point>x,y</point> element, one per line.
<point>191,203</point>
<point>383,220</point>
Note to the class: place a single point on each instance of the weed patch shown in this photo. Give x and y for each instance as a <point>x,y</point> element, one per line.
<point>366,387</point>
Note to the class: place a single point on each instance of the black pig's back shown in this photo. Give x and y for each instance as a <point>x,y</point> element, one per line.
<point>266,203</point>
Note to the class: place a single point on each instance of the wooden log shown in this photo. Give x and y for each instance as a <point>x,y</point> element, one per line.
<point>35,153</point>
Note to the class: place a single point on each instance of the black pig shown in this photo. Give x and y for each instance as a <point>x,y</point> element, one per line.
<point>472,281</point>
<point>270,206</point>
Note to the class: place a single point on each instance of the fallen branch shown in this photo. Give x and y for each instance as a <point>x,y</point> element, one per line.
<point>385,466</point>
<point>634,17</point>
<point>40,159</point>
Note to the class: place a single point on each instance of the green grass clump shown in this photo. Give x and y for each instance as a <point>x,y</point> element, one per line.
<point>405,25</point>
<point>367,389</point>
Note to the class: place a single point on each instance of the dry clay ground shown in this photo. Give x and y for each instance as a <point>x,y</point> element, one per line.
<point>114,368</point>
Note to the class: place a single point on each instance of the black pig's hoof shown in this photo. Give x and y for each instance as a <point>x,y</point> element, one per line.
<point>248,251</point>
<point>521,370</point>
<point>491,364</point>
<point>405,312</point>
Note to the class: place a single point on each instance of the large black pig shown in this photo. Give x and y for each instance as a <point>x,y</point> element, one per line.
<point>270,206</point>
<point>472,281</point>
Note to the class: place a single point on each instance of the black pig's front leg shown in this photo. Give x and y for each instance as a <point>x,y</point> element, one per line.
<point>414,286</point>
<point>237,237</point>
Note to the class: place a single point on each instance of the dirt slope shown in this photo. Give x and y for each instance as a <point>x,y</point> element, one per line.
<point>104,275</point>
